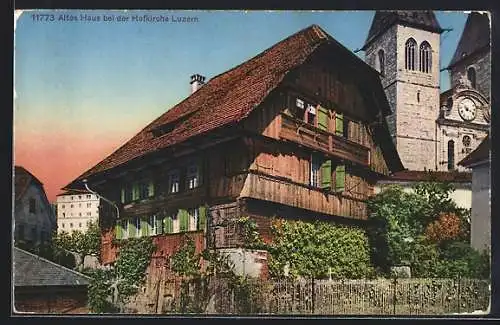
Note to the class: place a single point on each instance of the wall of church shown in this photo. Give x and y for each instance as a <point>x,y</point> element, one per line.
<point>457,134</point>
<point>386,42</point>
<point>482,64</point>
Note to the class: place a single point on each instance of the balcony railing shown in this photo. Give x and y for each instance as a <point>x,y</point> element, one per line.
<point>298,131</point>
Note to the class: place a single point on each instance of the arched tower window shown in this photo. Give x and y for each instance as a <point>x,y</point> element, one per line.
<point>381,62</point>
<point>471,75</point>
<point>410,46</point>
<point>425,57</point>
<point>451,154</point>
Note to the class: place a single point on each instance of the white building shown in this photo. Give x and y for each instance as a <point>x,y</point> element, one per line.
<point>75,210</point>
<point>479,162</point>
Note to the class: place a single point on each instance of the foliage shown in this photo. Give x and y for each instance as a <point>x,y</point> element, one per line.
<point>447,228</point>
<point>185,261</point>
<point>110,289</point>
<point>84,243</point>
<point>318,250</point>
<point>251,236</point>
<point>424,229</point>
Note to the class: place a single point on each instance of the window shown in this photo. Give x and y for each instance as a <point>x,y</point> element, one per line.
<point>299,110</point>
<point>89,196</point>
<point>64,214</point>
<point>345,131</point>
<point>72,197</point>
<point>137,222</point>
<point>192,176</point>
<point>311,115</point>
<point>425,57</point>
<point>71,206</point>
<point>79,214</point>
<point>63,224</point>
<point>169,223</point>
<point>62,206</point>
<point>315,170</point>
<point>79,205</point>
<point>173,181</point>
<point>71,225</point>
<point>156,223</point>
<point>20,232</point>
<point>32,203</point>
<point>418,96</point>
<point>451,154</point>
<point>80,225</point>
<point>146,189</point>
<point>410,54</point>
<point>381,62</point>
<point>125,228</point>
<point>89,214</point>
<point>89,205</point>
<point>193,219</point>
<point>79,197</point>
<point>471,76</point>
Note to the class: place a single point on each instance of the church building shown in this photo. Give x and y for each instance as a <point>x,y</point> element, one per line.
<point>432,131</point>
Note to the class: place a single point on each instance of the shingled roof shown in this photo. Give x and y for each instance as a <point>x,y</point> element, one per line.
<point>31,270</point>
<point>480,154</point>
<point>475,37</point>
<point>22,179</point>
<point>229,97</point>
<point>383,20</point>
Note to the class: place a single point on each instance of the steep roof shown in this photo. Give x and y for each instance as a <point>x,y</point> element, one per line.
<point>475,37</point>
<point>430,176</point>
<point>31,270</point>
<point>22,180</point>
<point>230,97</point>
<point>480,154</point>
<point>383,20</point>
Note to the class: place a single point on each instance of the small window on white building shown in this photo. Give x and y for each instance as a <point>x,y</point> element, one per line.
<point>62,206</point>
<point>89,213</point>
<point>89,196</point>
<point>79,197</point>
<point>89,205</point>
<point>71,225</point>
<point>80,225</point>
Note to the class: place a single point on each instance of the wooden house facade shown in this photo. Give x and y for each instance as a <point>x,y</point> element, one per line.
<point>296,132</point>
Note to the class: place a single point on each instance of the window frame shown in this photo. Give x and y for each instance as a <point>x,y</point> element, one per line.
<point>410,56</point>
<point>194,177</point>
<point>425,57</point>
<point>173,178</point>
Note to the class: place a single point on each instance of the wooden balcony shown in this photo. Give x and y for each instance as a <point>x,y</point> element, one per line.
<point>298,131</point>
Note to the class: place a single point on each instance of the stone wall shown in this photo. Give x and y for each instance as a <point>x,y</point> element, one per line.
<point>482,64</point>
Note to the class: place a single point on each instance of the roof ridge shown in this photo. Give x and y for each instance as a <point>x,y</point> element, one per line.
<point>52,263</point>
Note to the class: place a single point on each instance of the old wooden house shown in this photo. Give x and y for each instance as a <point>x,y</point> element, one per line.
<point>297,131</point>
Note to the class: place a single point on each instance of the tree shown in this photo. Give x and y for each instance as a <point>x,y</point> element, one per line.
<point>109,289</point>
<point>82,244</point>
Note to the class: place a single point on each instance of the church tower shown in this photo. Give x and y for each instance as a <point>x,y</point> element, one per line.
<point>404,47</point>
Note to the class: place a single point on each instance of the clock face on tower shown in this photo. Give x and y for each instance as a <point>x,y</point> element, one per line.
<point>467,109</point>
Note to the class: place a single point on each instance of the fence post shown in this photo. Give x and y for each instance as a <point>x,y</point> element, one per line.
<point>458,298</point>
<point>312,295</point>
<point>394,295</point>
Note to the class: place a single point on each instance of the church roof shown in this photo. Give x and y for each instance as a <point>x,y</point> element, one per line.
<point>475,37</point>
<point>231,96</point>
<point>382,20</point>
<point>480,154</point>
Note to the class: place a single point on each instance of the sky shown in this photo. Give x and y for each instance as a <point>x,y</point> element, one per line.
<point>82,88</point>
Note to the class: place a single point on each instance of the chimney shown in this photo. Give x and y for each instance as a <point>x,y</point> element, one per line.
<point>196,82</point>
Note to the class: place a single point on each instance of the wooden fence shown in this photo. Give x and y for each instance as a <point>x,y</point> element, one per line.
<point>336,297</point>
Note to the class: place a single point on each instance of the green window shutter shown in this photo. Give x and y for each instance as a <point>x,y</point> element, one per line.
<point>144,227</point>
<point>202,217</point>
<point>118,230</point>
<point>340,178</point>
<point>339,124</point>
<point>326,174</point>
<point>159,225</point>
<point>322,118</point>
<point>169,225</point>
<point>135,191</point>
<point>183,220</point>
<point>151,189</point>
<point>123,195</point>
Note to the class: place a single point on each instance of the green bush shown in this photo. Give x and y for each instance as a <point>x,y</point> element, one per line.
<point>319,250</point>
